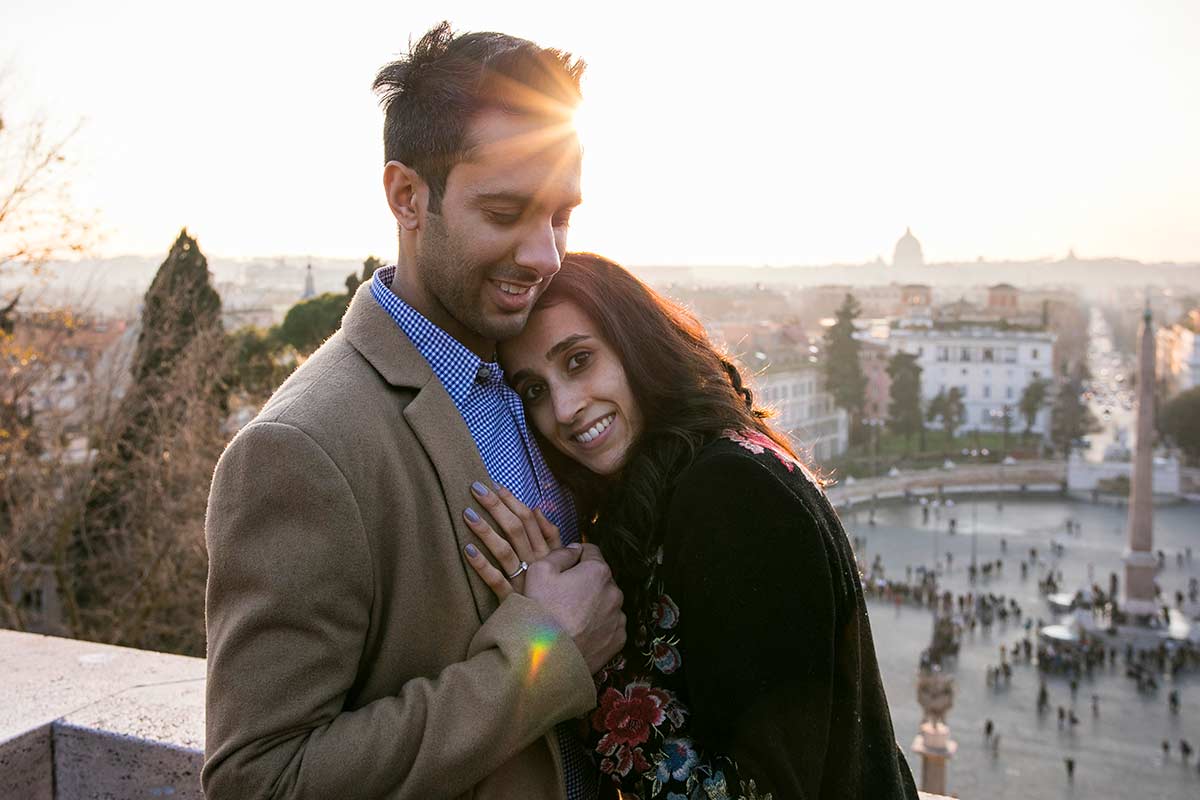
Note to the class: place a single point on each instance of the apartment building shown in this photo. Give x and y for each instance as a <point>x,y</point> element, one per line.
<point>991,366</point>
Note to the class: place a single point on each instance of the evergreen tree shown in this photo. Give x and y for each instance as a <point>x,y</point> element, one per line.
<point>844,377</point>
<point>178,388</point>
<point>949,409</point>
<point>353,281</point>
<point>8,315</point>
<point>933,411</point>
<point>904,405</point>
<point>179,306</point>
<point>1181,422</point>
<point>953,413</point>
<point>259,362</point>
<point>1032,399</point>
<point>310,322</point>
<point>1070,418</point>
<point>1006,423</point>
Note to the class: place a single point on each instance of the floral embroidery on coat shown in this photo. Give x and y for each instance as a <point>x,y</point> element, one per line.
<point>639,731</point>
<point>759,443</point>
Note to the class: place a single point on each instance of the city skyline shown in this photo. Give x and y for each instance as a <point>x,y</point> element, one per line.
<point>810,137</point>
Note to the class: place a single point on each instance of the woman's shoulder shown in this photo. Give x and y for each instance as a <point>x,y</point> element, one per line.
<point>745,453</point>
<point>745,473</point>
<point>744,500</point>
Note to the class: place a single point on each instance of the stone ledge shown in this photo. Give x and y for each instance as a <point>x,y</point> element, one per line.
<point>86,720</point>
<point>81,720</point>
<point>965,478</point>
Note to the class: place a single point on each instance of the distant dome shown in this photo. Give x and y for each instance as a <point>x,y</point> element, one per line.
<point>908,251</point>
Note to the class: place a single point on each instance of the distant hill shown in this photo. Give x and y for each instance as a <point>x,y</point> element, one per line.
<point>115,285</point>
<point>1091,275</point>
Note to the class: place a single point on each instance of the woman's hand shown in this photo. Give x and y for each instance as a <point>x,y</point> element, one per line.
<point>528,537</point>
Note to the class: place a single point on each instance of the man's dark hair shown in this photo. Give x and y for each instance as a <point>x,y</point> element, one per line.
<point>430,96</point>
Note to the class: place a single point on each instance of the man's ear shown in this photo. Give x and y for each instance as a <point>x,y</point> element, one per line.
<point>407,194</point>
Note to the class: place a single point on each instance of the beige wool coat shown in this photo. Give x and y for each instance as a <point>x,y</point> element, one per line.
<point>352,652</point>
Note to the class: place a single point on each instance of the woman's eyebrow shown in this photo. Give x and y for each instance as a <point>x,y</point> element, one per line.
<point>562,345</point>
<point>570,341</point>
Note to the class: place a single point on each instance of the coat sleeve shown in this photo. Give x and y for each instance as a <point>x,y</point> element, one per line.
<point>288,610</point>
<point>757,619</point>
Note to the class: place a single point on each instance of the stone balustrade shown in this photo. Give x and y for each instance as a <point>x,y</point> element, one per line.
<point>962,477</point>
<point>86,721</point>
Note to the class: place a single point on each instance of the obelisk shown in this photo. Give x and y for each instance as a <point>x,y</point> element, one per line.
<point>1140,562</point>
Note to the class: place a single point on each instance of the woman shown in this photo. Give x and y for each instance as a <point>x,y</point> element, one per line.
<point>749,669</point>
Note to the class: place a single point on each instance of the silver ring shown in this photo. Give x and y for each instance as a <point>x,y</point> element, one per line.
<point>520,569</point>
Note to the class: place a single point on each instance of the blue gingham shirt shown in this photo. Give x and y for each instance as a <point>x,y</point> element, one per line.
<point>491,409</point>
<point>496,420</point>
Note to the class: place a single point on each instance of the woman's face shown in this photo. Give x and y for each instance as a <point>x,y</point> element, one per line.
<point>574,387</point>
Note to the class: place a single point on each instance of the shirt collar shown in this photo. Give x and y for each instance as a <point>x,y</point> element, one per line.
<point>453,362</point>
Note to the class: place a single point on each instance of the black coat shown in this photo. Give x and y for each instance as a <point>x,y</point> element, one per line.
<point>753,671</point>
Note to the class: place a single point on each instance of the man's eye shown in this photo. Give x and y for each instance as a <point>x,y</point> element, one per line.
<point>501,218</point>
<point>532,392</point>
<point>578,360</point>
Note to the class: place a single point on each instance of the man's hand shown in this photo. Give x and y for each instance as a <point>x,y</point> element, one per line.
<point>575,585</point>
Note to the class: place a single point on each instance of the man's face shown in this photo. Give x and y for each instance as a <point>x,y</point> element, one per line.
<point>501,233</point>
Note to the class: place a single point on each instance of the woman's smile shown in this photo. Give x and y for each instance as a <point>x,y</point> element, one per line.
<point>596,432</point>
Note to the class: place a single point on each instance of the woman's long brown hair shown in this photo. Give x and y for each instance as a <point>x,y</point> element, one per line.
<point>688,392</point>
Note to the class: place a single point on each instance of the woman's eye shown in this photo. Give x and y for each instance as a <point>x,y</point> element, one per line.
<point>578,360</point>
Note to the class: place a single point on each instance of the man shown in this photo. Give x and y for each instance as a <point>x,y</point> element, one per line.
<point>351,651</point>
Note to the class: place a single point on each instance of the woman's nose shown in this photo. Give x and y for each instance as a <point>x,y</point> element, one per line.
<point>567,405</point>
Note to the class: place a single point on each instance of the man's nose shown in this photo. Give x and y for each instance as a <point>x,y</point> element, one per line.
<point>539,251</point>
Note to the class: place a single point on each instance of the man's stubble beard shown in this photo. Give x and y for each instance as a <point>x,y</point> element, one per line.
<point>457,285</point>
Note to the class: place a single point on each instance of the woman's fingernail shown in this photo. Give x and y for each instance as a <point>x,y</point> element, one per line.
<point>472,550</point>
<point>479,489</point>
<point>471,516</point>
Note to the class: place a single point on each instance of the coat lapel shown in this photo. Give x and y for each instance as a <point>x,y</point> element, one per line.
<point>434,420</point>
<point>448,444</point>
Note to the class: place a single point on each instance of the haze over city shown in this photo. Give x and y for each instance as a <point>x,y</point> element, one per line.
<point>931,267</point>
<point>812,134</point>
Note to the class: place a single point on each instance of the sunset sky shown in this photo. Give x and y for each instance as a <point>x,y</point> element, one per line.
<point>798,133</point>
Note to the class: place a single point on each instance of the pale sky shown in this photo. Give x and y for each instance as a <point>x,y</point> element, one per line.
<point>791,133</point>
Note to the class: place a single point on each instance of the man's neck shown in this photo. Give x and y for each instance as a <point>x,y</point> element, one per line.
<point>408,288</point>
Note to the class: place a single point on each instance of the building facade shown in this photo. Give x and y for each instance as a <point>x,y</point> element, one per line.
<point>873,357</point>
<point>795,388</point>
<point>1178,354</point>
<point>990,366</point>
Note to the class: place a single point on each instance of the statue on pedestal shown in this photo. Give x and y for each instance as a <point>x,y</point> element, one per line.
<point>935,693</point>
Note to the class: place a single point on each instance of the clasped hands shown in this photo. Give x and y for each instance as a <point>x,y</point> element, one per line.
<point>573,582</point>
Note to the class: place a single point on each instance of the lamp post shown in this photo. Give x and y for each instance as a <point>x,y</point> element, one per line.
<point>1002,419</point>
<point>873,426</point>
<point>974,524</point>
<point>977,457</point>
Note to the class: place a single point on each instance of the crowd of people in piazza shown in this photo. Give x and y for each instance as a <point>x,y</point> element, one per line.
<point>1148,667</point>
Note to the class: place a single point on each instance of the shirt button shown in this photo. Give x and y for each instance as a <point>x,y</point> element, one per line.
<point>483,374</point>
